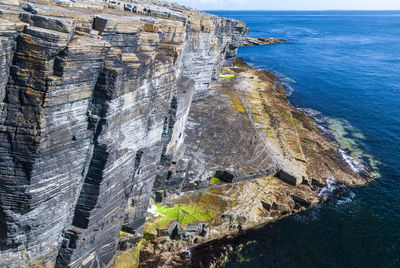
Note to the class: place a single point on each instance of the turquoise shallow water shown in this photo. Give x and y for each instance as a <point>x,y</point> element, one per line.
<point>343,68</point>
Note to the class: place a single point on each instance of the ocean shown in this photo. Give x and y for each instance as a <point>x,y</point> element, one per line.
<point>343,69</point>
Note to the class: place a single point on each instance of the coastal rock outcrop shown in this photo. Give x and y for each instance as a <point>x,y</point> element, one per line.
<point>250,158</point>
<point>94,102</point>
<point>261,41</point>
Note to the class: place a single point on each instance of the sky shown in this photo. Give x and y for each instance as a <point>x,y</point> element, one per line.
<point>291,4</point>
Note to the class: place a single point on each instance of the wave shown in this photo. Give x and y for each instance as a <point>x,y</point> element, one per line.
<point>188,252</point>
<point>331,189</point>
<point>355,165</point>
<point>346,199</point>
<point>309,216</point>
<point>335,189</point>
<point>283,78</point>
<point>286,82</point>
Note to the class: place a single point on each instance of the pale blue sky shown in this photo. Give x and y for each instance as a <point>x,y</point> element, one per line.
<point>291,4</point>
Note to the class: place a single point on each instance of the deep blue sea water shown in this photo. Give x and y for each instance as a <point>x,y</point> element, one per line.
<point>344,69</point>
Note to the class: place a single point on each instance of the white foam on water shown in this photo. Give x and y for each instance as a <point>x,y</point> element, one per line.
<point>324,129</point>
<point>285,81</point>
<point>347,199</point>
<point>283,78</point>
<point>289,90</point>
<point>347,137</point>
<point>344,201</point>
<point>188,252</point>
<point>354,164</point>
<point>329,189</point>
<point>333,188</point>
<point>310,216</point>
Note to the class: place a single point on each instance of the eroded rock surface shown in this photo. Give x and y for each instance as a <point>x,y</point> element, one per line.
<point>261,41</point>
<point>94,101</point>
<point>250,158</point>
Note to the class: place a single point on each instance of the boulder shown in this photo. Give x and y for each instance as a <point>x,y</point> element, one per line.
<point>290,177</point>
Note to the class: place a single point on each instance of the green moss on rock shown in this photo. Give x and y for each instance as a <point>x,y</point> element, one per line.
<point>215,181</point>
<point>184,214</point>
<point>227,75</point>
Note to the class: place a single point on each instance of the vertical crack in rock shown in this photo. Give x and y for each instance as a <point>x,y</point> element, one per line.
<point>27,190</point>
<point>87,209</point>
<point>44,141</point>
<point>167,131</point>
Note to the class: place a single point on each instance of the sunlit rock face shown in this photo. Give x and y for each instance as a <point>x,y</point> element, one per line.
<point>94,104</point>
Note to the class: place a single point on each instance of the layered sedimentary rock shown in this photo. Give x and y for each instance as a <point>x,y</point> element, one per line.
<point>261,41</point>
<point>94,105</point>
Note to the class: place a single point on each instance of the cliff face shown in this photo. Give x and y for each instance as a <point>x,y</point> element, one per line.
<point>94,103</point>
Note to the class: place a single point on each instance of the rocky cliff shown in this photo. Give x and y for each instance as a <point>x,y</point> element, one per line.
<point>94,103</point>
<point>111,108</point>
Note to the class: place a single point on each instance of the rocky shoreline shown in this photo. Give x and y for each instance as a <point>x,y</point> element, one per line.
<point>261,41</point>
<point>221,209</point>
